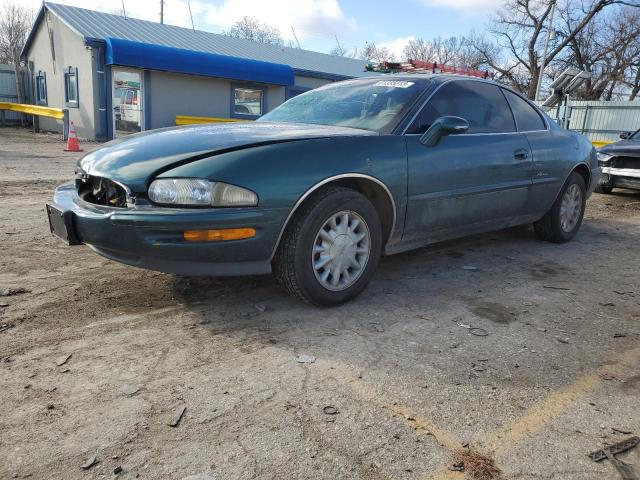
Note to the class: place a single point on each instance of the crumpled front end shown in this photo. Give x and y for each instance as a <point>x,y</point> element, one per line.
<point>105,216</point>
<point>619,169</point>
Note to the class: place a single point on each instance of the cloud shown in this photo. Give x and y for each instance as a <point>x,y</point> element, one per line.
<point>465,4</point>
<point>306,16</point>
<point>317,20</point>
<point>396,46</point>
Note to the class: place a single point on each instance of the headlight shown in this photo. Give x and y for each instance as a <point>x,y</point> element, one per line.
<point>198,192</point>
<point>604,157</point>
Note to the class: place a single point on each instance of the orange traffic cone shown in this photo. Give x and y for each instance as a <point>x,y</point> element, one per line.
<point>72,142</point>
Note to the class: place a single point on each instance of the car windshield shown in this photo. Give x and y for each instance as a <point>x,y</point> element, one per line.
<point>368,104</point>
<point>636,136</point>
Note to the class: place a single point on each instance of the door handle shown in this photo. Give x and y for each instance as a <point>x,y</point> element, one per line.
<point>521,154</point>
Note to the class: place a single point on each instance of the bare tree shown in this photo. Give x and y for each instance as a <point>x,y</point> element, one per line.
<point>419,49</point>
<point>609,49</point>
<point>635,84</point>
<point>468,56</point>
<point>252,29</point>
<point>520,29</point>
<point>341,51</point>
<point>15,23</point>
<point>452,51</point>
<point>376,53</point>
<point>121,12</point>
<point>447,49</point>
<point>338,51</point>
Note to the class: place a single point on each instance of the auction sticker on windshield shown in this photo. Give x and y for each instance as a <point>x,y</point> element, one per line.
<point>393,83</point>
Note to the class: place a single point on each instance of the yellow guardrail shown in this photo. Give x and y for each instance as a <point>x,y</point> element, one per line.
<point>190,120</point>
<point>599,144</point>
<point>57,113</point>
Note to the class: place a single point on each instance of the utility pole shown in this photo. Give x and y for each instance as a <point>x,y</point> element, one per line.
<point>124,11</point>
<point>295,36</point>
<point>161,11</point>
<point>543,64</point>
<point>191,16</point>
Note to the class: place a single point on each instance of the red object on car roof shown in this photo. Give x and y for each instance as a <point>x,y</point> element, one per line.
<point>420,66</point>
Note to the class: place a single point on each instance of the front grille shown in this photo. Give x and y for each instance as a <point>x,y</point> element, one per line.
<point>625,162</point>
<point>101,191</point>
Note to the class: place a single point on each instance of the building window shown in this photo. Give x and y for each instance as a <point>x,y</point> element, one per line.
<point>71,87</point>
<point>295,91</point>
<point>41,88</point>
<point>247,101</point>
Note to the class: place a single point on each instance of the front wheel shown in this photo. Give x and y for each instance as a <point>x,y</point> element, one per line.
<point>331,249</point>
<point>563,220</point>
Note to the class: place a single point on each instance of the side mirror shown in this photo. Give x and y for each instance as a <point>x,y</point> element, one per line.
<point>625,135</point>
<point>442,127</point>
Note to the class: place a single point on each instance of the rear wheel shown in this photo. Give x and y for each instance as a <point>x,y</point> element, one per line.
<point>563,220</point>
<point>331,249</point>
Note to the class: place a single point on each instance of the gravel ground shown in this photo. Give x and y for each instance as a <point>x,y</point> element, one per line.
<point>96,358</point>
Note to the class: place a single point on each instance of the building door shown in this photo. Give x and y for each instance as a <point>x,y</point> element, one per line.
<point>127,105</point>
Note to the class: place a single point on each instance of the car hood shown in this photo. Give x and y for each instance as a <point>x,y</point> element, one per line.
<point>133,160</point>
<point>626,148</point>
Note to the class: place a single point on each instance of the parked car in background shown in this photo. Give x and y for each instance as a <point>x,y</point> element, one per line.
<point>319,188</point>
<point>620,163</point>
<point>128,113</point>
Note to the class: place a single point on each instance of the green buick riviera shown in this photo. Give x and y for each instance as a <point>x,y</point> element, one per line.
<point>319,188</point>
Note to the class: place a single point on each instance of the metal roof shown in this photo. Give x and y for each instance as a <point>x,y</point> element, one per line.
<point>97,25</point>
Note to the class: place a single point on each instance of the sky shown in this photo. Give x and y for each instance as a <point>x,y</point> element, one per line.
<point>316,23</point>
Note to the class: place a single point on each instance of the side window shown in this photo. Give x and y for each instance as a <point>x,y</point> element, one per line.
<point>71,87</point>
<point>527,119</point>
<point>481,104</point>
<point>41,88</point>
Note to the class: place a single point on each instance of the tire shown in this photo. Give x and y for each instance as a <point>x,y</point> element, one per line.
<point>604,189</point>
<point>561,225</point>
<point>304,247</point>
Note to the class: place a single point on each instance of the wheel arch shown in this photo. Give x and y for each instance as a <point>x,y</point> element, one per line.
<point>371,187</point>
<point>585,172</point>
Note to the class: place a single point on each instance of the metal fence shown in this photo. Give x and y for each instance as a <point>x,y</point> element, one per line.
<point>601,121</point>
<point>8,91</point>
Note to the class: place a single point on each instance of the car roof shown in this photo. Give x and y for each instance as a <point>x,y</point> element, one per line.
<point>436,77</point>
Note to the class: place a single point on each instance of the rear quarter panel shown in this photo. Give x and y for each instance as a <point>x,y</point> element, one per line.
<point>556,153</point>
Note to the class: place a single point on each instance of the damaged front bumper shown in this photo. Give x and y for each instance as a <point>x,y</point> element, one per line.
<point>152,237</point>
<point>620,177</point>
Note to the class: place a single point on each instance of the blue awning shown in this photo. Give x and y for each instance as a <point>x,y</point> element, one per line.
<point>158,57</point>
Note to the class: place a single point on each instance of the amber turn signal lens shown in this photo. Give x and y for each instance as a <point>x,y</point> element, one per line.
<point>219,235</point>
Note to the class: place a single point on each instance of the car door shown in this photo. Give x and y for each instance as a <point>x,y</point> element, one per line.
<point>548,147</point>
<point>467,182</point>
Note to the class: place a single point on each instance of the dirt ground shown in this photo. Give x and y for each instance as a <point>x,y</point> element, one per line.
<point>398,389</point>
